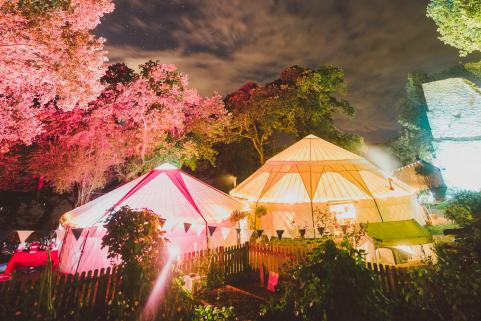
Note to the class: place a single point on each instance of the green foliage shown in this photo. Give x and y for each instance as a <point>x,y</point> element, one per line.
<point>449,289</point>
<point>463,207</point>
<point>215,275</point>
<point>301,101</point>
<point>333,284</point>
<point>458,22</point>
<point>35,8</point>
<point>415,140</point>
<point>135,237</point>
<point>178,304</point>
<point>213,313</point>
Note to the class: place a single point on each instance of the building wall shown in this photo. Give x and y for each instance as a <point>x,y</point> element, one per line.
<point>454,114</point>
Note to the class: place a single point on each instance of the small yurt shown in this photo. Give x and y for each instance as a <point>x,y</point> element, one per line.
<point>314,177</point>
<point>197,216</point>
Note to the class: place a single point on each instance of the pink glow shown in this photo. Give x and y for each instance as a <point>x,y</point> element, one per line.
<point>160,285</point>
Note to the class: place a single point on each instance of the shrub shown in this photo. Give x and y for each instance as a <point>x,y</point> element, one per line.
<point>333,284</point>
<point>212,313</point>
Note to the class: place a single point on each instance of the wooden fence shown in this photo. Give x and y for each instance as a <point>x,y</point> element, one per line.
<point>93,290</point>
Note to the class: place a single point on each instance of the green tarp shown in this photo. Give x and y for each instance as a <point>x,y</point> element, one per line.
<point>407,232</point>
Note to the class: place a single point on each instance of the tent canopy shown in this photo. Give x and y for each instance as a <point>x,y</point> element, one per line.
<point>166,190</point>
<point>406,232</point>
<point>318,171</point>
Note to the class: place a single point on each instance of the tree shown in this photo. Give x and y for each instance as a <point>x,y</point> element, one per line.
<point>137,122</point>
<point>80,148</point>
<point>301,102</point>
<point>48,56</point>
<point>169,120</point>
<point>458,22</point>
<point>464,207</point>
<point>415,140</point>
<point>332,283</point>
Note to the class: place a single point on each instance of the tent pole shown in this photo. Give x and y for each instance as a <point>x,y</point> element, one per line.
<point>82,251</point>
<point>310,191</point>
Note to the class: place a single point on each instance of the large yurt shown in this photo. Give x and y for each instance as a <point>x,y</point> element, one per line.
<point>314,176</point>
<point>196,214</point>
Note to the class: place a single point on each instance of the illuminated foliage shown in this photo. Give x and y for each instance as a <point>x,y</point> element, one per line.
<point>48,56</point>
<point>301,101</point>
<point>458,22</point>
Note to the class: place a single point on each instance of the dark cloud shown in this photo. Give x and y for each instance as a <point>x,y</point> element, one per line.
<point>221,44</point>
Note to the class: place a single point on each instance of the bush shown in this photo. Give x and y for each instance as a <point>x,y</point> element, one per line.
<point>212,313</point>
<point>464,207</point>
<point>135,237</point>
<point>333,284</point>
<point>451,288</point>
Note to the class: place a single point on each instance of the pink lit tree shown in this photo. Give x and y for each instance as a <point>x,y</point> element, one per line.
<point>48,56</point>
<point>137,122</point>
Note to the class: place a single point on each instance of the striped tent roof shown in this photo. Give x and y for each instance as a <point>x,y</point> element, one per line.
<point>316,170</point>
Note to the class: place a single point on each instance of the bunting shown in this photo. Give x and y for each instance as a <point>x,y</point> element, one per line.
<point>246,235</point>
<point>23,235</point>
<point>77,232</point>
<point>279,234</point>
<point>302,232</point>
<point>212,229</point>
<point>225,231</point>
<point>321,229</point>
<point>198,228</point>
<point>259,233</point>
<point>187,227</point>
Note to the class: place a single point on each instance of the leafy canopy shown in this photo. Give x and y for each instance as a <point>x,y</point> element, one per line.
<point>301,101</point>
<point>458,22</point>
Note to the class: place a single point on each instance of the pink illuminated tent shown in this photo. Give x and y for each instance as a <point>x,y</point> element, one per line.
<point>185,202</point>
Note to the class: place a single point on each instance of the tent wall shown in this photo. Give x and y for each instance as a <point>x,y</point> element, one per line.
<point>291,217</point>
<point>86,252</point>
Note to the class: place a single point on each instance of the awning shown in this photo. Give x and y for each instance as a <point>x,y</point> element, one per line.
<point>407,232</point>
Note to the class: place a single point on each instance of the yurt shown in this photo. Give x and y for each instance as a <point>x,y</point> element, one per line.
<point>196,214</point>
<point>314,177</point>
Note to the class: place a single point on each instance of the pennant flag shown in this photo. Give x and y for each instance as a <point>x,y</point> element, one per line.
<point>212,229</point>
<point>246,234</point>
<point>60,235</point>
<point>321,229</point>
<point>225,232</point>
<point>302,231</point>
<point>76,232</point>
<point>344,228</point>
<point>279,234</point>
<point>198,228</point>
<point>23,235</point>
<point>259,233</point>
<point>187,227</point>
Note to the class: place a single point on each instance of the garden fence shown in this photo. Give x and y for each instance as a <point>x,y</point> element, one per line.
<point>93,290</point>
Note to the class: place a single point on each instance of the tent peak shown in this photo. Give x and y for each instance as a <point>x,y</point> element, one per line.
<point>167,166</point>
<point>310,136</point>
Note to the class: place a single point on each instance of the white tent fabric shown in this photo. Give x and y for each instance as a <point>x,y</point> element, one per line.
<point>313,174</point>
<point>173,194</point>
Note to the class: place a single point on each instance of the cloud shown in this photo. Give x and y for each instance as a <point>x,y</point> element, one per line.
<point>220,45</point>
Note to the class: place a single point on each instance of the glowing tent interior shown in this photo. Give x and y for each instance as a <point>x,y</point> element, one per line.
<point>314,176</point>
<point>181,199</point>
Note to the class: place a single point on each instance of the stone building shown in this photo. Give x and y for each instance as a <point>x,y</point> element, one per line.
<point>454,114</point>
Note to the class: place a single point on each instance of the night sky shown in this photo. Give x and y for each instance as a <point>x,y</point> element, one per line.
<point>222,44</point>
